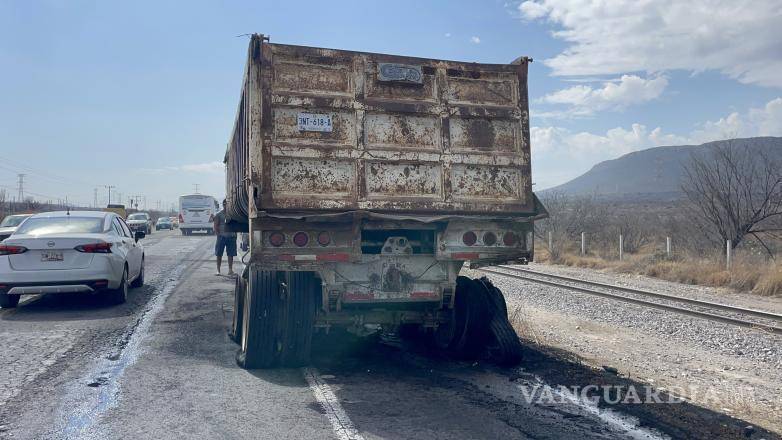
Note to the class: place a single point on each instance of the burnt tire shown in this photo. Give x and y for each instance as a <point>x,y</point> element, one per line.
<point>240,290</point>
<point>9,301</point>
<point>278,319</point>
<point>466,334</point>
<point>504,346</point>
<point>496,298</point>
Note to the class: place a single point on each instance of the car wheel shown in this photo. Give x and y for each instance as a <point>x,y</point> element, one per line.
<point>9,301</point>
<point>120,294</point>
<point>139,281</point>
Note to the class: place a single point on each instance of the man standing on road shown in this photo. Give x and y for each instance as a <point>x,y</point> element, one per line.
<point>225,241</point>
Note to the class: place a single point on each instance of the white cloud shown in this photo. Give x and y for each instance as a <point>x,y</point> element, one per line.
<point>206,167</point>
<point>742,39</point>
<point>614,95</point>
<point>447,35</point>
<point>475,40</point>
<point>562,152</point>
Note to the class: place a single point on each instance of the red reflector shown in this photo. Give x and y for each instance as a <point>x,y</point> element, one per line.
<point>94,248</point>
<point>423,295</point>
<point>301,239</point>
<point>334,257</point>
<point>354,296</point>
<point>324,239</point>
<point>276,239</point>
<point>7,249</point>
<point>469,238</point>
<point>465,256</point>
<point>101,283</point>
<point>510,238</point>
<point>489,239</point>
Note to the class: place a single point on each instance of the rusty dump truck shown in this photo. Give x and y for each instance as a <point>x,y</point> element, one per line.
<point>365,182</point>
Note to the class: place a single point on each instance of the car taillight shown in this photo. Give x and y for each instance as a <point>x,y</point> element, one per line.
<point>8,249</point>
<point>301,239</point>
<point>510,238</point>
<point>276,239</point>
<point>469,238</point>
<point>489,239</point>
<point>94,248</point>
<point>324,239</point>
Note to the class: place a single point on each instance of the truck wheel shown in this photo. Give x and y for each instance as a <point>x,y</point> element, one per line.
<point>9,301</point>
<point>302,296</point>
<point>240,290</point>
<point>278,319</point>
<point>504,347</point>
<point>466,334</point>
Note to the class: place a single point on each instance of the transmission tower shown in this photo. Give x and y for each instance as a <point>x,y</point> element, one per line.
<point>21,187</point>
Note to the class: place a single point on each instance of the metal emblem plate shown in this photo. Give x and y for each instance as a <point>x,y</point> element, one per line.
<point>400,73</point>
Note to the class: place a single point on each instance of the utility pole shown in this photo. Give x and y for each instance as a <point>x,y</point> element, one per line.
<point>95,197</point>
<point>21,187</point>
<point>109,187</point>
<point>195,188</point>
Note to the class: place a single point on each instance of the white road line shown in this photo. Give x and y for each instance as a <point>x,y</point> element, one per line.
<point>339,419</point>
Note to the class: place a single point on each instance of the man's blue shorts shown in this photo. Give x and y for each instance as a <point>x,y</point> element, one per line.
<point>225,243</point>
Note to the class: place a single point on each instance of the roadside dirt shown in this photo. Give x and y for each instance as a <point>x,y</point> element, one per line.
<point>739,392</point>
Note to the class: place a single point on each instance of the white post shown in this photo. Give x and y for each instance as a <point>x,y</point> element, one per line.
<point>727,255</point>
<point>583,244</point>
<point>621,246</point>
<point>668,246</point>
<point>550,243</point>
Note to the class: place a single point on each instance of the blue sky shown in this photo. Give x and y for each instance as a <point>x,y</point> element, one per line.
<point>142,95</point>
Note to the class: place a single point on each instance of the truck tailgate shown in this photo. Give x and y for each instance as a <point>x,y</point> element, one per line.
<point>339,130</point>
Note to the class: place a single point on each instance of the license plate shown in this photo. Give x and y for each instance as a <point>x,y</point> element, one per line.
<point>51,256</point>
<point>314,122</point>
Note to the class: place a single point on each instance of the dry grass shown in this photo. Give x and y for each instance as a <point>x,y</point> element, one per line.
<point>746,275</point>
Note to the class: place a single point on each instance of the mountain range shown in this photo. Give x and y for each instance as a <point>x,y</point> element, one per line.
<point>654,173</point>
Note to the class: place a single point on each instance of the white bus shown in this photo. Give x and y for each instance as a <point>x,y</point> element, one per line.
<point>195,212</point>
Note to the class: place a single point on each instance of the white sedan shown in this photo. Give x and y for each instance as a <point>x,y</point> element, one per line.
<point>70,252</point>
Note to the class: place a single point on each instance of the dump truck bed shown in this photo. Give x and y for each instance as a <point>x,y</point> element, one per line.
<point>335,130</point>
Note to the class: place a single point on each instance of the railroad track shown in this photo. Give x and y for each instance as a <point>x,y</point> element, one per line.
<point>737,316</point>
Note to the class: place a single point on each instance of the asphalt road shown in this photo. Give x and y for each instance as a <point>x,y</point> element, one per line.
<point>162,366</point>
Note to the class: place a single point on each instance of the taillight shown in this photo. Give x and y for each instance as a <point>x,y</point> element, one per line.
<point>181,219</point>
<point>94,248</point>
<point>8,249</point>
<point>301,239</point>
<point>510,238</point>
<point>469,238</point>
<point>489,239</point>
<point>324,239</point>
<point>276,239</point>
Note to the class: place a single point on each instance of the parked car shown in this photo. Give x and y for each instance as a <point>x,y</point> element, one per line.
<point>164,223</point>
<point>10,223</point>
<point>71,252</point>
<point>140,221</point>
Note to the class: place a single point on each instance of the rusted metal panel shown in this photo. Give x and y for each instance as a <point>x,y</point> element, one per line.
<point>452,140</point>
<point>398,130</point>
<point>485,134</point>
<point>393,180</point>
